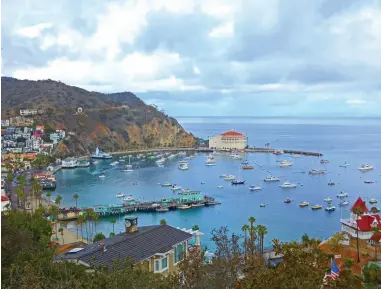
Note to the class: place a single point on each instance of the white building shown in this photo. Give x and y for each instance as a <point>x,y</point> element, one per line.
<point>69,163</point>
<point>230,140</point>
<point>4,122</point>
<point>28,111</point>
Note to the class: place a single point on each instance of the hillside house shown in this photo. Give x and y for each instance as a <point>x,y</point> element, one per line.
<point>4,122</point>
<point>27,112</point>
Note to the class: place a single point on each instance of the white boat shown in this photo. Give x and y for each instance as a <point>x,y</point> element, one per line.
<point>185,190</point>
<point>220,187</point>
<point>69,163</point>
<point>365,168</point>
<point>166,185</point>
<point>343,203</point>
<point>160,161</point>
<point>236,157</point>
<point>129,198</point>
<point>210,164</point>
<point>101,176</point>
<point>287,184</point>
<point>114,163</point>
<point>229,178</point>
<point>324,161</point>
<point>342,195</point>
<point>119,195</point>
<point>183,166</point>
<point>330,208</point>
<point>271,179</point>
<point>285,163</point>
<point>255,188</point>
<point>183,207</point>
<point>198,205</point>
<point>372,201</point>
<point>162,210</point>
<point>327,199</point>
<point>175,188</point>
<point>223,176</point>
<point>100,155</point>
<point>262,205</point>
<point>316,172</point>
<point>344,165</point>
<point>184,161</point>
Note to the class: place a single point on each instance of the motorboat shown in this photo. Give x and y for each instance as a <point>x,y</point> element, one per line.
<point>331,183</point>
<point>271,179</point>
<point>210,163</point>
<point>316,172</point>
<point>183,161</point>
<point>229,178</point>
<point>236,157</point>
<point>368,182</point>
<point>342,195</point>
<point>183,166</point>
<point>372,201</point>
<point>166,185</point>
<point>101,176</point>
<point>220,187</point>
<point>114,163</point>
<point>238,182</point>
<point>287,201</point>
<point>287,184</point>
<point>245,162</point>
<point>185,190</point>
<point>316,207</point>
<point>175,188</point>
<point>304,204</point>
<point>365,168</point>
<point>262,205</point>
<point>324,161</point>
<point>344,165</point>
<point>162,210</point>
<point>195,205</point>
<point>129,198</point>
<point>98,154</point>
<point>223,176</point>
<point>285,163</point>
<point>247,167</point>
<point>327,199</point>
<point>330,208</point>
<point>375,210</point>
<point>278,152</point>
<point>160,161</point>
<point>183,207</point>
<point>255,188</point>
<point>119,195</point>
<point>343,203</point>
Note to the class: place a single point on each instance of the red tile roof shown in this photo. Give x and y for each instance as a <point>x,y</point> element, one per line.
<point>232,133</point>
<point>361,204</point>
<point>4,199</point>
<point>376,237</point>
<point>365,222</point>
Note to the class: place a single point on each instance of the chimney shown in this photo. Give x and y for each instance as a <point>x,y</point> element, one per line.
<point>131,224</point>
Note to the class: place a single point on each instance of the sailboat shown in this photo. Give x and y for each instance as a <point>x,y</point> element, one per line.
<point>128,168</point>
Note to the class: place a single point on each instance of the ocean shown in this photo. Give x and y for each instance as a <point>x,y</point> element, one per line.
<point>356,141</point>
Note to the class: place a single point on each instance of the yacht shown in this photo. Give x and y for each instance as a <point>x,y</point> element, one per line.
<point>372,201</point>
<point>343,203</point>
<point>119,195</point>
<point>223,176</point>
<point>255,188</point>
<point>342,195</point>
<point>210,163</point>
<point>287,184</point>
<point>245,162</point>
<point>129,198</point>
<point>285,163</point>
<point>198,205</point>
<point>324,161</point>
<point>344,165</point>
<point>175,188</point>
<point>262,205</point>
<point>272,179</point>
<point>316,207</point>
<point>238,182</point>
<point>229,178</point>
<point>183,166</point>
<point>330,208</point>
<point>220,187</point>
<point>184,161</point>
<point>365,168</point>
<point>101,176</point>
<point>162,210</point>
<point>160,161</point>
<point>327,199</point>
<point>316,172</point>
<point>100,155</point>
<point>304,204</point>
<point>330,183</point>
<point>166,185</point>
<point>114,163</point>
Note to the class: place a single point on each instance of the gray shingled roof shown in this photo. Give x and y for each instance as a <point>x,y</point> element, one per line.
<point>140,245</point>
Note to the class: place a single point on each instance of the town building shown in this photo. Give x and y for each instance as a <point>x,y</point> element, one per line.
<point>24,112</point>
<point>157,248</point>
<point>230,140</point>
<point>69,163</point>
<point>4,122</point>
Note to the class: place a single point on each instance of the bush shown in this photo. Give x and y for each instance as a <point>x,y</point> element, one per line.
<point>348,263</point>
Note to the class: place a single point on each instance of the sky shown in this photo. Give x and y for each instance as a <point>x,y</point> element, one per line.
<point>205,57</point>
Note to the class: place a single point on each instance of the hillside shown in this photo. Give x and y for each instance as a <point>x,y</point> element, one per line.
<point>114,121</point>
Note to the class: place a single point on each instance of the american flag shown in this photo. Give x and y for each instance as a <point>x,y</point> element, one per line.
<point>335,271</point>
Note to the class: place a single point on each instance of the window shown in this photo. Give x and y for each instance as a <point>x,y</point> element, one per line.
<point>161,265</point>
<point>157,265</point>
<point>179,253</point>
<point>164,263</point>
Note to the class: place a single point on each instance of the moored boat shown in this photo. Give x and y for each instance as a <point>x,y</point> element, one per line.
<point>220,187</point>
<point>330,208</point>
<point>287,184</point>
<point>247,167</point>
<point>304,204</point>
<point>166,185</point>
<point>285,163</point>
<point>238,182</point>
<point>98,154</point>
<point>129,198</point>
<point>316,207</point>
<point>316,172</point>
<point>119,195</point>
<point>365,167</point>
<point>324,161</point>
<point>175,188</point>
<point>375,210</point>
<point>101,176</point>
<point>162,210</point>
<point>271,179</point>
<point>344,165</point>
<point>372,201</point>
<point>195,205</point>
<point>229,178</point>
<point>184,207</point>
<point>255,188</point>
<point>343,203</point>
<point>287,201</point>
<point>342,195</point>
<point>368,182</point>
<point>327,199</point>
<point>262,205</point>
<point>330,183</point>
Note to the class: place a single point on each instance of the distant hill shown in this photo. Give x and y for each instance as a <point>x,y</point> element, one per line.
<point>113,121</point>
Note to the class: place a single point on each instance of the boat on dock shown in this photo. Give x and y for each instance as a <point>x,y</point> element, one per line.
<point>98,154</point>
<point>271,179</point>
<point>304,204</point>
<point>198,205</point>
<point>119,195</point>
<point>330,208</point>
<point>238,182</point>
<point>183,207</point>
<point>287,184</point>
<point>316,207</point>
<point>365,168</point>
<point>255,188</point>
<point>247,167</point>
<point>344,165</point>
<point>285,163</point>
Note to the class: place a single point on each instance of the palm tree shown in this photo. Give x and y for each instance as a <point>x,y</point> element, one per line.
<point>36,188</point>
<point>262,231</point>
<point>58,200</point>
<point>163,222</point>
<point>62,234</point>
<point>252,235</point>
<point>113,221</point>
<point>80,221</point>
<point>196,228</point>
<point>358,212</point>
<point>376,231</point>
<point>95,218</point>
<point>21,196</point>
<point>99,237</point>
<point>48,195</point>
<point>54,211</point>
<point>76,196</point>
<point>245,228</point>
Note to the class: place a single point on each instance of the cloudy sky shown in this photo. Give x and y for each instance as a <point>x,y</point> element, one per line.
<point>205,57</point>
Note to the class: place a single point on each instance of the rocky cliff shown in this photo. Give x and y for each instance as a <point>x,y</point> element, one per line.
<point>114,122</point>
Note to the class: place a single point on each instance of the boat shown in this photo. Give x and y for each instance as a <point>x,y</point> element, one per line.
<point>316,207</point>
<point>271,179</point>
<point>162,210</point>
<point>342,195</point>
<point>166,185</point>
<point>220,187</point>
<point>304,204</point>
<point>223,176</point>
<point>375,210</point>
<point>262,205</point>
<point>324,161</point>
<point>236,157</point>
<point>195,205</point>
<point>185,190</point>
<point>343,203</point>
<point>175,188</point>
<point>69,163</point>
<point>255,188</point>
<point>327,199</point>
<point>183,161</point>
<point>247,167</point>
<point>83,164</point>
<point>237,182</point>
<point>160,161</point>
<point>229,178</point>
<point>365,168</point>
<point>114,163</point>
<point>101,176</point>
<point>316,172</point>
<point>119,195</point>
<point>183,166</point>
<point>183,207</point>
<point>210,163</point>
<point>278,152</point>
<point>372,201</point>
<point>129,198</point>
<point>98,154</point>
<point>287,201</point>
<point>344,165</point>
<point>245,162</point>
<point>330,208</point>
<point>368,182</point>
<point>287,184</point>
<point>331,183</point>
<point>285,163</point>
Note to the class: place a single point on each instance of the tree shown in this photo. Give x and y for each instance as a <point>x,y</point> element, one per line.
<point>376,231</point>
<point>112,234</point>
<point>163,222</point>
<point>305,240</point>
<point>245,228</point>
<point>262,231</point>
<point>196,228</point>
<point>98,237</point>
<point>80,221</point>
<point>61,230</point>
<point>348,263</point>
<point>253,236</point>
<point>358,212</point>
<point>76,196</point>
<point>335,241</point>
<point>113,221</point>
<point>58,200</point>
<point>21,196</point>
<point>9,178</point>
<point>54,211</point>
<point>48,195</point>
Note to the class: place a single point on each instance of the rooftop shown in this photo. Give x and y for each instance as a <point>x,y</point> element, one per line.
<point>139,246</point>
<point>232,133</point>
<point>360,204</point>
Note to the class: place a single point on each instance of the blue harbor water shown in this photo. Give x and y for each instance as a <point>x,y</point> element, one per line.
<point>356,141</point>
